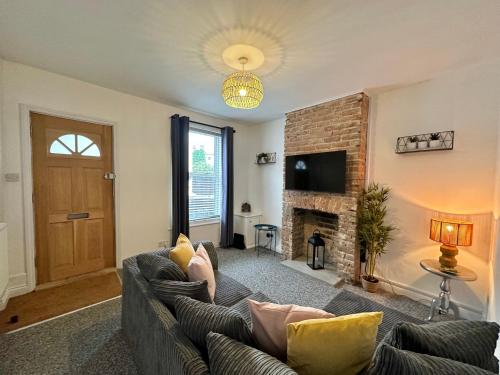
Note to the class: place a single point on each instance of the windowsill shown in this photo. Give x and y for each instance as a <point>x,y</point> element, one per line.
<point>201,223</point>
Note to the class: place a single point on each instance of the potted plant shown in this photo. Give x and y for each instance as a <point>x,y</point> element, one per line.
<point>262,158</point>
<point>435,140</point>
<point>412,143</point>
<point>373,233</point>
<point>423,143</point>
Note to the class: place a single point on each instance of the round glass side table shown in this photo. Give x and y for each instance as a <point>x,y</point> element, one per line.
<point>442,303</point>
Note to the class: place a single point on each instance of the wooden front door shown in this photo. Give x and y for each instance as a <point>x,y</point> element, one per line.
<point>74,221</point>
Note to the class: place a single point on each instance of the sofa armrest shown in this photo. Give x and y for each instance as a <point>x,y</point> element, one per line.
<point>212,253</point>
<point>157,342</point>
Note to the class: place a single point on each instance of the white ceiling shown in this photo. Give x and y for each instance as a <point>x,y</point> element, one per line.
<point>171,51</point>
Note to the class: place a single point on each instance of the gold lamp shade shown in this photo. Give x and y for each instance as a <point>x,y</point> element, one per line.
<point>242,90</point>
<point>451,233</point>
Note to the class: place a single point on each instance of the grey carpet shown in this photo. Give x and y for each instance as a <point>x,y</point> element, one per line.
<point>349,303</point>
<point>266,274</point>
<point>90,341</point>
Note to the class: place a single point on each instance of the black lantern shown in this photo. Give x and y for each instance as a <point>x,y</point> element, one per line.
<point>316,251</point>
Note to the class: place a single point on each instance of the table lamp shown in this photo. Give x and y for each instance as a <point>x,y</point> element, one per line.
<point>451,233</point>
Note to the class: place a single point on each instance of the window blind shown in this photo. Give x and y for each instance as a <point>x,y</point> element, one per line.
<point>205,173</point>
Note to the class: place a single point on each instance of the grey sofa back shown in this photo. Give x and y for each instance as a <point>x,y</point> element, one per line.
<point>157,342</point>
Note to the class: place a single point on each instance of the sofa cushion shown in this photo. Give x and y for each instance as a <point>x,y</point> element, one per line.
<point>337,346</point>
<point>244,310</point>
<point>471,342</point>
<point>270,320</point>
<point>212,253</point>
<point>229,291</point>
<point>182,253</point>
<point>227,356</point>
<point>392,361</point>
<point>154,266</point>
<point>167,290</point>
<point>197,319</point>
<point>208,245</point>
<point>200,268</point>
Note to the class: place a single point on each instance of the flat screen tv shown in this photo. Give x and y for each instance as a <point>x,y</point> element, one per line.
<point>323,172</point>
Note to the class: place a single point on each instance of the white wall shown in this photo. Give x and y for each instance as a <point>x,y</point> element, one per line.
<point>268,197</point>
<point>456,182</point>
<point>494,302</point>
<point>142,157</point>
<point>4,258</point>
<point>1,135</point>
<point>461,181</point>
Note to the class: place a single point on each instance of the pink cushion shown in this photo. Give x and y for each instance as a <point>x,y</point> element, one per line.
<point>200,269</point>
<point>269,322</point>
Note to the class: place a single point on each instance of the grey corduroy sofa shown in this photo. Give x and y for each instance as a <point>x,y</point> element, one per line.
<point>157,342</point>
<point>159,345</point>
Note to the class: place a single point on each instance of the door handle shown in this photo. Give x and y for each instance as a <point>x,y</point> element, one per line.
<point>78,215</point>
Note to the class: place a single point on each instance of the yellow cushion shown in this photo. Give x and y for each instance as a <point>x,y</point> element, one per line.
<point>337,346</point>
<point>182,253</point>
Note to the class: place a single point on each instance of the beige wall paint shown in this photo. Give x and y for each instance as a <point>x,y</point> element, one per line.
<point>269,199</point>
<point>494,303</point>
<point>4,259</point>
<point>460,181</point>
<point>142,157</point>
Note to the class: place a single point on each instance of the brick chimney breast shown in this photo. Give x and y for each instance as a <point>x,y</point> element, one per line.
<point>332,126</point>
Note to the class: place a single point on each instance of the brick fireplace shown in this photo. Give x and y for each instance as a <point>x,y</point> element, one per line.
<point>333,126</point>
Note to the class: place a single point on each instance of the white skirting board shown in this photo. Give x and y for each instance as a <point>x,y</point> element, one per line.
<point>466,312</point>
<point>10,285</point>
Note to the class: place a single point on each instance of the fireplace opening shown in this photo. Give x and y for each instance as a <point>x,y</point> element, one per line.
<point>305,223</point>
<point>324,266</point>
<point>315,257</point>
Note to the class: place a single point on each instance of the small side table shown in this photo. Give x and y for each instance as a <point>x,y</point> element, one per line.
<point>442,303</point>
<point>270,231</point>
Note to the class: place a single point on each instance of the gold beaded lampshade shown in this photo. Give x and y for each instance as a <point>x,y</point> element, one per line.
<point>242,89</point>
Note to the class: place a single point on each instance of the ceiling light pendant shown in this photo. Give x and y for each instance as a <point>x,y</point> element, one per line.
<point>242,89</point>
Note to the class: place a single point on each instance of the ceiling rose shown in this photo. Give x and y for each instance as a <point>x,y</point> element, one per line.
<point>253,56</point>
<point>221,50</point>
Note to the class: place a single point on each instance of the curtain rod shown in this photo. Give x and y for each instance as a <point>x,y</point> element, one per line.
<point>210,126</point>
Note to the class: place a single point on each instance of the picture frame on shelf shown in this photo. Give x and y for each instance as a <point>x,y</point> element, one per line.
<point>436,141</point>
<point>266,158</point>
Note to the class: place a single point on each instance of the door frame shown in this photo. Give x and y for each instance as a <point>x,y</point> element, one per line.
<point>27,184</point>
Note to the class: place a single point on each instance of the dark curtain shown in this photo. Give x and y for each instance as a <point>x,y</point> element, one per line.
<point>227,218</point>
<point>179,138</point>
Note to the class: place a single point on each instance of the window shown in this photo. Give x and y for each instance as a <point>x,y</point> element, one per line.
<point>74,144</point>
<point>205,174</point>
